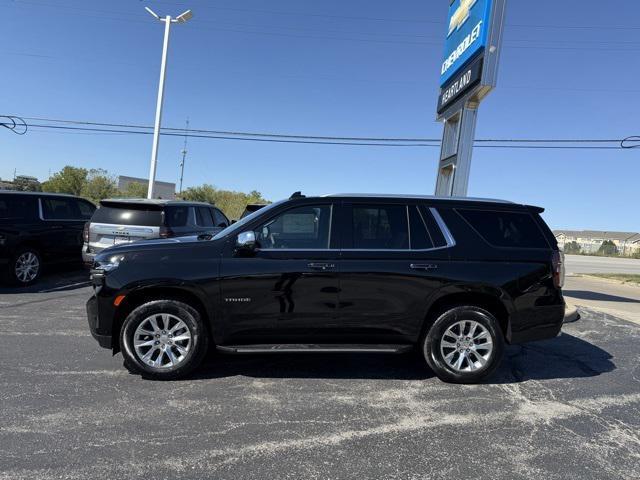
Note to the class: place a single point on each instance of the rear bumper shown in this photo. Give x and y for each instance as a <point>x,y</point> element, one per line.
<point>540,323</point>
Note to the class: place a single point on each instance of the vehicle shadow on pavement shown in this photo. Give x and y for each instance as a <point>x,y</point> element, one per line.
<point>597,296</point>
<point>54,279</point>
<point>563,357</point>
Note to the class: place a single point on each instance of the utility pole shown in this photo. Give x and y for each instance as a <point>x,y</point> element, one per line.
<point>184,156</point>
<point>182,18</point>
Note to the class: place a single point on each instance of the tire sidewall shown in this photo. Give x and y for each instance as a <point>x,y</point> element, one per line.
<point>188,315</point>
<point>433,354</point>
<point>12,273</point>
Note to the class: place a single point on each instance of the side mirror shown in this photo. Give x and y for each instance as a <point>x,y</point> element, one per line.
<point>246,243</point>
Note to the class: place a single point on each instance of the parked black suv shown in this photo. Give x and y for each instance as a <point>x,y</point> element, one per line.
<point>122,220</point>
<point>37,228</point>
<point>456,278</point>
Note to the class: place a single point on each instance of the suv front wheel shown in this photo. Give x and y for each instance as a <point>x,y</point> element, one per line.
<point>464,345</point>
<point>163,340</point>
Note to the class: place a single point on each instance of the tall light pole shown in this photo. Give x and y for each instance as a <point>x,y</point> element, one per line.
<point>182,18</point>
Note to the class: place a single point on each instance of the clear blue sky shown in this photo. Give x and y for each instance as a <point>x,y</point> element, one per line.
<point>348,68</point>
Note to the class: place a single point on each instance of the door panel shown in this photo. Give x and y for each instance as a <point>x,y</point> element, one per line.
<point>287,290</point>
<point>278,294</point>
<point>386,273</point>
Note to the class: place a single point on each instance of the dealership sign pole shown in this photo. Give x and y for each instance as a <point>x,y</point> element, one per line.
<point>469,72</point>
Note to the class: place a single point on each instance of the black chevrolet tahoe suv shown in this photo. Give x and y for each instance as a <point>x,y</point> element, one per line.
<point>38,229</point>
<point>454,278</point>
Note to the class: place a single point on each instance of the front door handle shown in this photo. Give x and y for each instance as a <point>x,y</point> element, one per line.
<point>423,266</point>
<point>321,266</point>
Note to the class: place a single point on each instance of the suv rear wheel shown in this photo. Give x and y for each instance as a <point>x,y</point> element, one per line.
<point>163,340</point>
<point>464,345</point>
<point>26,266</point>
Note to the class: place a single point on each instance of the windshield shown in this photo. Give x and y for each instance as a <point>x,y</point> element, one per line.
<point>243,221</point>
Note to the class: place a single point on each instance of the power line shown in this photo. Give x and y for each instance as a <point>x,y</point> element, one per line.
<point>131,129</point>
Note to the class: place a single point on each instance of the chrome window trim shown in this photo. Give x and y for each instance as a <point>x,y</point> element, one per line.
<point>451,242</point>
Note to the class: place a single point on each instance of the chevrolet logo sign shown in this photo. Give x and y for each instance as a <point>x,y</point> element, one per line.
<point>461,15</point>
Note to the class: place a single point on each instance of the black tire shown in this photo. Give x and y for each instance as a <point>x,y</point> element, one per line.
<point>17,260</point>
<point>178,310</point>
<point>433,352</point>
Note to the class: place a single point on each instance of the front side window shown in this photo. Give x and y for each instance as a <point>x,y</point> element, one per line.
<point>203,217</point>
<point>301,228</point>
<point>380,227</point>
<point>219,219</point>
<point>176,216</point>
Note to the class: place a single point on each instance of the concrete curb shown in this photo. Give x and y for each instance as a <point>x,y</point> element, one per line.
<point>571,313</point>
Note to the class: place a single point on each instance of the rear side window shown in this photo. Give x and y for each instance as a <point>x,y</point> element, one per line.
<point>128,215</point>
<point>506,229</point>
<point>60,209</point>
<point>380,227</point>
<point>17,207</point>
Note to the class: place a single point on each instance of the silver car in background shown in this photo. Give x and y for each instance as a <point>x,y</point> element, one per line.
<point>119,221</point>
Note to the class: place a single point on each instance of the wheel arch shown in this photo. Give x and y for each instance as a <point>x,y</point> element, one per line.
<point>142,295</point>
<point>494,300</point>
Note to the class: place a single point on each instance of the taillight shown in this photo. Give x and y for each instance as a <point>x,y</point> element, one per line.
<point>85,232</point>
<point>166,232</point>
<point>557,264</point>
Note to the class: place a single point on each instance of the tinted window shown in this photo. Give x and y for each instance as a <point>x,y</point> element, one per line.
<point>219,219</point>
<point>128,215</point>
<point>203,217</point>
<point>298,228</point>
<point>17,206</point>
<point>420,238</point>
<point>60,209</point>
<point>506,229</point>
<point>86,209</point>
<point>176,216</point>
<point>378,227</point>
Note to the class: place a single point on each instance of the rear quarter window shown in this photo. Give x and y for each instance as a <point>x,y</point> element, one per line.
<point>506,229</point>
<point>134,215</point>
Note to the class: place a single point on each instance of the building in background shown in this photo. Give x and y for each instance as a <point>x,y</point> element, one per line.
<point>162,190</point>
<point>22,183</point>
<point>590,241</point>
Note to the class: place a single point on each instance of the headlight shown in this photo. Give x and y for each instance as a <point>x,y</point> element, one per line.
<point>109,263</point>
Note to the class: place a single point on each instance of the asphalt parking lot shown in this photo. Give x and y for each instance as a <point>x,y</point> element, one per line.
<point>568,408</point>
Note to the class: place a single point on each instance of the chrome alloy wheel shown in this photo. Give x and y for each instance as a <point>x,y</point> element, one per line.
<point>162,341</point>
<point>466,346</point>
<point>27,267</point>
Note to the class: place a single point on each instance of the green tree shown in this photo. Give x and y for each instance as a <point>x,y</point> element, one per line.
<point>134,190</point>
<point>608,249</point>
<point>69,180</point>
<point>99,184</point>
<point>230,202</point>
<point>572,248</point>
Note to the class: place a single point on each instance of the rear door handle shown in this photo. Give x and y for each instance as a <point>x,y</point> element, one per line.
<point>321,266</point>
<point>423,266</point>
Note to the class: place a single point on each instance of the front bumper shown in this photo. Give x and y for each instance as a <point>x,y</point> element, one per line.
<point>103,339</point>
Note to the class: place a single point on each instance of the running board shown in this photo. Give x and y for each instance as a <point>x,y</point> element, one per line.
<point>314,348</point>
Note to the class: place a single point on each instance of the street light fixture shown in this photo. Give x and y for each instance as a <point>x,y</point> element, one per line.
<point>168,20</point>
